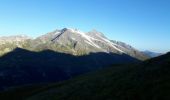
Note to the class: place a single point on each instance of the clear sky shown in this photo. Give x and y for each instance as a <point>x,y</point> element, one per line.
<point>144,24</point>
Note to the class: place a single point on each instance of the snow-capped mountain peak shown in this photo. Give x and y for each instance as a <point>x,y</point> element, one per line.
<point>87,42</point>
<point>76,42</point>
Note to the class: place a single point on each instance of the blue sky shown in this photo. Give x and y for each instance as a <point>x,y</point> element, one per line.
<point>144,24</point>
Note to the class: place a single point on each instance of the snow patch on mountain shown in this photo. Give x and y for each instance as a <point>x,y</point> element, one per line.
<point>73,41</point>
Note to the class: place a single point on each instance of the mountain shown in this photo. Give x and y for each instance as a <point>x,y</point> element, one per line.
<point>151,54</point>
<point>9,43</point>
<point>130,50</point>
<point>59,55</point>
<point>148,80</point>
<point>70,41</point>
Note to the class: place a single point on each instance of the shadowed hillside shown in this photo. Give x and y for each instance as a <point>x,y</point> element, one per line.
<point>22,67</point>
<point>145,81</point>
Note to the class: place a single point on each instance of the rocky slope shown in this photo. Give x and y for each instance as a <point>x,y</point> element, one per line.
<point>59,55</point>
<point>7,44</point>
<point>71,41</point>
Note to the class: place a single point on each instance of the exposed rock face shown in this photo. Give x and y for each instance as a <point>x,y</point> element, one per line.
<point>130,50</point>
<point>70,41</point>
<point>59,55</point>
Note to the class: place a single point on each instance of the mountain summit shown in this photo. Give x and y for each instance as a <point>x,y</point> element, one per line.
<point>60,55</point>
<point>73,41</point>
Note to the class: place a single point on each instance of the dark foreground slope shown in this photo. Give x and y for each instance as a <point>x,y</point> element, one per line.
<point>149,80</point>
<point>23,67</point>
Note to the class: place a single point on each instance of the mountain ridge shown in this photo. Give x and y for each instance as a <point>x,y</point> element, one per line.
<point>151,53</point>
<point>21,66</point>
<point>72,41</point>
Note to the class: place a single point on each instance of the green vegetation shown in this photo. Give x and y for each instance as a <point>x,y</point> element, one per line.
<point>10,46</point>
<point>145,81</point>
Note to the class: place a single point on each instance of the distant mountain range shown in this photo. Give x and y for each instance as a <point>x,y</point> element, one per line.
<point>152,54</point>
<point>70,41</point>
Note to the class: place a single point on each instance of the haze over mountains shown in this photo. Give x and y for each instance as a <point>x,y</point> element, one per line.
<point>152,54</point>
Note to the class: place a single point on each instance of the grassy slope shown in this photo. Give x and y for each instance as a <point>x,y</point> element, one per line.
<point>147,81</point>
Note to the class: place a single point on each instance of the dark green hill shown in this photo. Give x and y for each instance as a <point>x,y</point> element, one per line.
<point>23,67</point>
<point>149,80</point>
